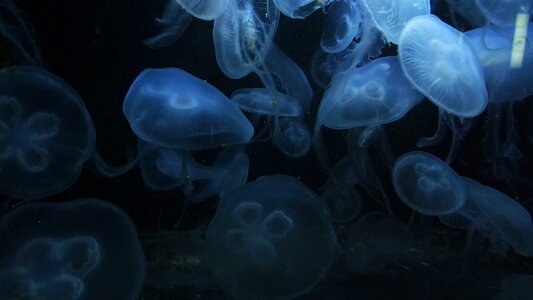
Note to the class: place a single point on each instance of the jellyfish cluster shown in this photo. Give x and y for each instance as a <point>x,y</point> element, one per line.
<point>266,149</point>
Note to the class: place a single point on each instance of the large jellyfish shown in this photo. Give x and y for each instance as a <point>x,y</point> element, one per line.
<point>58,251</point>
<point>440,62</point>
<point>271,239</point>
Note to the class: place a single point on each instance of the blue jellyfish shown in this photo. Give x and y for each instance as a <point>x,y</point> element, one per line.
<point>341,26</point>
<point>427,184</point>
<point>171,108</point>
<point>375,241</point>
<point>440,62</point>
<point>271,239</point>
<point>204,9</point>
<point>300,9</point>
<point>174,21</point>
<point>43,258</point>
<point>46,133</point>
<point>377,93</point>
<point>15,33</point>
<point>390,16</point>
<point>264,102</point>
<point>292,136</point>
<point>344,202</point>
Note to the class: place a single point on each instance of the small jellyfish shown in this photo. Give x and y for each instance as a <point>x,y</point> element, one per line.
<point>344,203</point>
<point>390,16</point>
<point>271,239</point>
<point>292,137</point>
<point>85,260</point>
<point>341,25</point>
<point>46,133</point>
<point>427,184</point>
<point>174,21</point>
<point>440,62</point>
<point>173,109</point>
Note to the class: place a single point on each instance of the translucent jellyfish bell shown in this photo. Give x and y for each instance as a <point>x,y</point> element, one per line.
<point>84,260</point>
<point>173,109</point>
<point>174,21</point>
<point>390,16</point>
<point>300,9</point>
<point>271,239</point>
<point>377,93</point>
<point>344,202</point>
<point>264,102</point>
<point>292,137</point>
<point>340,26</point>
<point>427,184</point>
<point>46,133</point>
<point>440,62</point>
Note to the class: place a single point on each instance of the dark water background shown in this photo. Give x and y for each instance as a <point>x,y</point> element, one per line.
<point>97,47</point>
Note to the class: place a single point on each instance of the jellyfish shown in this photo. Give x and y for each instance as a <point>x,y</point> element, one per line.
<point>341,25</point>
<point>174,21</point>
<point>390,16</point>
<point>375,241</point>
<point>292,137</point>
<point>204,9</point>
<point>42,258</point>
<point>377,93</point>
<point>44,140</point>
<point>344,202</point>
<point>171,108</point>
<point>263,102</point>
<point>15,33</point>
<point>440,63</point>
<point>300,9</point>
<point>271,239</point>
<point>427,184</point>
<point>46,135</point>
<point>504,12</point>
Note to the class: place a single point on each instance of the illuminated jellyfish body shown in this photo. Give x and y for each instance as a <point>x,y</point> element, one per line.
<point>377,93</point>
<point>427,184</point>
<point>174,21</point>
<point>46,133</point>
<point>504,12</point>
<point>264,102</point>
<point>171,108</point>
<point>440,62</point>
<point>243,35</point>
<point>271,239</point>
<point>15,33</point>
<point>507,69</point>
<point>375,241</point>
<point>340,26</point>
<point>344,203</point>
<point>390,16</point>
<point>292,136</point>
<point>204,9</point>
<point>495,215</point>
<point>58,251</point>
<point>300,9</point>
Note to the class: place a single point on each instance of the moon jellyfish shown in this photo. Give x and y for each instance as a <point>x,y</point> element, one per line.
<point>264,102</point>
<point>292,137</point>
<point>46,133</point>
<point>271,239</point>
<point>300,9</point>
<point>375,241</point>
<point>243,35</point>
<point>344,202</point>
<point>175,21</point>
<point>173,109</point>
<point>377,93</point>
<point>427,184</point>
<point>440,62</point>
<point>390,16</point>
<point>504,12</point>
<point>340,26</point>
<point>204,9</point>
<point>42,258</point>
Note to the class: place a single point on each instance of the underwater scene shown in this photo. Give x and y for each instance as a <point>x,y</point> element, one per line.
<point>266,149</point>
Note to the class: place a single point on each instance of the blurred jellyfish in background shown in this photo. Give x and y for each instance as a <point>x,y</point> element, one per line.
<point>344,202</point>
<point>174,21</point>
<point>14,31</point>
<point>271,239</point>
<point>57,251</point>
<point>504,12</point>
<point>204,9</point>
